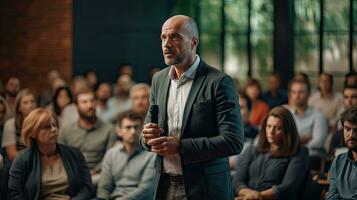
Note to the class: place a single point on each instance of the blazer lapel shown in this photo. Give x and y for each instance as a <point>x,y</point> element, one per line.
<point>196,85</point>
<point>163,97</point>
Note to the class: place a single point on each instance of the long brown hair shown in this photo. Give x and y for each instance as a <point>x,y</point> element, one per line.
<point>291,141</point>
<point>19,117</point>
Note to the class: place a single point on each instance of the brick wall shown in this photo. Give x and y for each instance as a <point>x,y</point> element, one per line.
<point>35,37</point>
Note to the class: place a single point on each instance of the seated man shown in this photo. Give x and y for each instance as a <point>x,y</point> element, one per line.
<point>343,172</point>
<point>127,170</point>
<point>349,99</point>
<point>89,134</point>
<point>311,124</point>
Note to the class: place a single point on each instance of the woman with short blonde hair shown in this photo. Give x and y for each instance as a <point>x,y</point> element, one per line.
<point>51,170</point>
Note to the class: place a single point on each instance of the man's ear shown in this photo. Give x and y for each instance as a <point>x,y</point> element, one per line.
<point>194,43</point>
<point>117,129</point>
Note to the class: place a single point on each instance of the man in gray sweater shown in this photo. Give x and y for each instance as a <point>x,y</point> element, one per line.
<point>89,134</point>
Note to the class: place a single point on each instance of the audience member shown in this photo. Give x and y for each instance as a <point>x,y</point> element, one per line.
<point>103,94</point>
<point>250,131</point>
<point>25,102</point>
<point>259,108</point>
<point>326,101</point>
<point>120,102</point>
<point>277,167</point>
<point>4,110</point>
<point>349,100</point>
<point>79,84</point>
<point>139,95</point>
<point>62,97</point>
<point>343,172</point>
<point>91,135</point>
<point>46,95</point>
<point>128,171</point>
<point>125,69</point>
<point>12,87</point>
<point>92,79</point>
<point>311,124</point>
<point>47,170</point>
<point>275,95</point>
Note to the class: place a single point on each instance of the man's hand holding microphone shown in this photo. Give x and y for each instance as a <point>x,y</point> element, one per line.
<point>161,145</point>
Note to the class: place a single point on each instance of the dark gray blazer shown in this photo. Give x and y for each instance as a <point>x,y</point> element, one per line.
<point>26,173</point>
<point>211,131</point>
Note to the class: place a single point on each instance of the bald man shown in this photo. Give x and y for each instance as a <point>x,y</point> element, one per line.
<point>199,121</point>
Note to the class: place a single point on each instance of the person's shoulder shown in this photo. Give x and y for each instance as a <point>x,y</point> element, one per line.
<point>303,150</point>
<point>341,157</point>
<point>316,114</point>
<point>162,73</point>
<point>23,156</point>
<point>68,148</point>
<point>105,124</point>
<point>113,150</point>
<point>10,122</point>
<point>68,129</point>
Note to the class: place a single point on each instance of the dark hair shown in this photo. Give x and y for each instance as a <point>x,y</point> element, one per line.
<point>253,82</point>
<point>349,115</point>
<point>330,77</point>
<point>56,108</point>
<point>129,115</point>
<point>293,81</point>
<point>291,141</point>
<point>84,91</point>
<point>348,75</point>
<point>303,75</point>
<point>246,98</point>
<point>275,74</point>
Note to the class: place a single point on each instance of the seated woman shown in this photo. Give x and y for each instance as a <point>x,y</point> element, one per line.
<point>25,102</point>
<point>277,167</point>
<point>47,170</point>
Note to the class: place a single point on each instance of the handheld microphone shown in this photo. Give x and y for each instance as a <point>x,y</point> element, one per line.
<point>154,113</point>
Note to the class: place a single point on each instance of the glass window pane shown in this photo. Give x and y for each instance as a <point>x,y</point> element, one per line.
<point>355,53</point>
<point>335,52</point>
<point>236,15</point>
<point>210,16</point>
<point>210,49</point>
<point>307,16</point>
<point>262,15</point>
<point>262,45</point>
<point>336,15</point>
<point>306,58</point>
<point>236,58</point>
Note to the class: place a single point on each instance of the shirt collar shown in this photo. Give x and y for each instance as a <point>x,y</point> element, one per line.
<point>307,112</point>
<point>95,126</point>
<point>122,149</point>
<point>189,73</point>
<point>350,157</point>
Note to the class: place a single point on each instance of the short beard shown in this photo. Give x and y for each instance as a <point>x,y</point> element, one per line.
<point>90,119</point>
<point>353,148</point>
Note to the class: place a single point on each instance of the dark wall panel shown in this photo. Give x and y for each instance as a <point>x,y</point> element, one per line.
<point>115,32</point>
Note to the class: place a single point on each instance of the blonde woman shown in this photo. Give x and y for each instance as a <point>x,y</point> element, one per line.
<point>47,170</point>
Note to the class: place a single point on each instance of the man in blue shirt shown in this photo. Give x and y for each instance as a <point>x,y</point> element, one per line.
<point>343,172</point>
